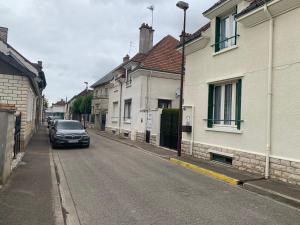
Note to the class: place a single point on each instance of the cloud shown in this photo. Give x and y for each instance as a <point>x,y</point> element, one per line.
<point>82,40</point>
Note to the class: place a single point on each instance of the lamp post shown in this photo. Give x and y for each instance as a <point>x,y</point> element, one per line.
<point>184,6</point>
<point>84,113</point>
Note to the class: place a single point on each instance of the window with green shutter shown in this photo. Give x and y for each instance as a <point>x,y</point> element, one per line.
<point>224,104</point>
<point>225,31</point>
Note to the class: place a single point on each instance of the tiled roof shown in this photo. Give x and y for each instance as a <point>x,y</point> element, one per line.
<point>59,103</point>
<point>215,6</point>
<point>196,35</point>
<point>138,57</point>
<point>163,56</point>
<point>12,61</point>
<point>108,77</point>
<point>253,5</point>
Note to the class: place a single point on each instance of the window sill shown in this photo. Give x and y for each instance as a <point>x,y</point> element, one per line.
<point>225,130</point>
<point>127,121</point>
<point>128,85</point>
<point>225,50</point>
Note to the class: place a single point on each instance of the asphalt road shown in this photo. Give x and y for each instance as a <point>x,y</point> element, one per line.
<point>114,184</point>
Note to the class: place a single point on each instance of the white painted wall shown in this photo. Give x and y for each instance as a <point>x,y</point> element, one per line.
<point>156,85</point>
<point>250,61</point>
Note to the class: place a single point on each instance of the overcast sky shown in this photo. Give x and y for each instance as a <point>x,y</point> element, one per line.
<point>82,40</point>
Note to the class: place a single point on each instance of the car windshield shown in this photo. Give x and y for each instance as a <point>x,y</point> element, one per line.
<point>69,125</point>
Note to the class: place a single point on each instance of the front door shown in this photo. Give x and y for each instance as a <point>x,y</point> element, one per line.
<point>103,121</point>
<point>169,128</point>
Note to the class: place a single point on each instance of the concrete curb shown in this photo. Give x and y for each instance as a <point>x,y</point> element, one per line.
<point>272,194</point>
<point>206,172</point>
<point>57,209</point>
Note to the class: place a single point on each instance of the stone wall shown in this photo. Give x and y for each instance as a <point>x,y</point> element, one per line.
<point>140,136</point>
<point>284,170</point>
<point>153,140</point>
<point>14,90</point>
<point>7,126</point>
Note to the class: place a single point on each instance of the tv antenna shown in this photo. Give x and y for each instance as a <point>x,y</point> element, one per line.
<point>151,8</point>
<point>131,46</point>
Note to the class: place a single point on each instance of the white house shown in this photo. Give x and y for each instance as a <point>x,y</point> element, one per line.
<point>241,91</point>
<point>57,109</point>
<point>142,86</point>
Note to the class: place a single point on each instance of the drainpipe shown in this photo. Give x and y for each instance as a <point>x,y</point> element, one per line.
<point>120,106</point>
<point>269,100</point>
<point>193,127</point>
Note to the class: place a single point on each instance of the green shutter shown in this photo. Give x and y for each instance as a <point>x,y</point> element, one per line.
<point>210,106</point>
<point>235,39</point>
<point>217,34</point>
<point>238,104</point>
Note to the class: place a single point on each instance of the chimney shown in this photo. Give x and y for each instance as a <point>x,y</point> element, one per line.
<point>40,64</point>
<point>146,38</point>
<point>126,58</point>
<point>3,33</point>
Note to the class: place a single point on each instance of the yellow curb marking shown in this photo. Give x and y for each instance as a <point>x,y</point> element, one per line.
<point>210,173</point>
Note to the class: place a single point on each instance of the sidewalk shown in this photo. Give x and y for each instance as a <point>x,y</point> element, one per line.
<point>26,199</point>
<point>283,192</point>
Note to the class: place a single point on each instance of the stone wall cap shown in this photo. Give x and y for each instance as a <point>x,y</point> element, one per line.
<point>7,108</point>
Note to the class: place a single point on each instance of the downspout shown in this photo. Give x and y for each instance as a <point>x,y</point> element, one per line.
<point>192,138</point>
<point>120,107</point>
<point>270,92</point>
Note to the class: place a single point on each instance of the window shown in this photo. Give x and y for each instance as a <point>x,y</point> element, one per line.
<point>226,31</point>
<point>224,104</point>
<point>30,106</point>
<point>221,158</point>
<point>128,77</point>
<point>164,104</point>
<point>115,109</point>
<point>127,109</point>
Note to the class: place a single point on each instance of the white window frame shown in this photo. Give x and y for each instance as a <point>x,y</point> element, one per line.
<point>115,107</point>
<point>127,110</point>
<point>230,31</point>
<point>222,110</point>
<point>30,106</point>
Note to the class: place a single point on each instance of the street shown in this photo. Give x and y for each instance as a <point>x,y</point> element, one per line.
<point>112,183</point>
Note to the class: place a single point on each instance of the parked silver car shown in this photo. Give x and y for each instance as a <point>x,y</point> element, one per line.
<point>68,133</point>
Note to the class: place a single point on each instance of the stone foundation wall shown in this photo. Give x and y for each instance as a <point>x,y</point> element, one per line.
<point>140,136</point>
<point>112,130</point>
<point>283,170</point>
<point>153,140</point>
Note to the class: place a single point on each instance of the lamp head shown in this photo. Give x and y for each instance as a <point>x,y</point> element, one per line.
<point>182,5</point>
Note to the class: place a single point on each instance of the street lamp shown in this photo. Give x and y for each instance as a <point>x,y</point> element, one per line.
<point>84,115</point>
<point>184,6</point>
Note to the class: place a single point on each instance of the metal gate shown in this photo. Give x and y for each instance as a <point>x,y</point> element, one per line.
<point>17,144</point>
<point>169,128</point>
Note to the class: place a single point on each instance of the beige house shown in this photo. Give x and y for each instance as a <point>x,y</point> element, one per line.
<point>100,101</point>
<point>142,86</point>
<point>21,85</point>
<point>241,91</point>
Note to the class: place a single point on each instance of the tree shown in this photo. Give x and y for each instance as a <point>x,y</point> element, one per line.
<point>76,106</point>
